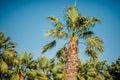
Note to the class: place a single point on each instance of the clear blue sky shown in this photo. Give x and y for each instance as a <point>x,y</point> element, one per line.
<point>25,22</point>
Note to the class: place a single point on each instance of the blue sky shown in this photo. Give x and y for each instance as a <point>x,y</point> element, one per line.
<point>25,22</point>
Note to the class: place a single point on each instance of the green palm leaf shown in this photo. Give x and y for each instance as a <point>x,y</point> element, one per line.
<point>56,22</point>
<point>48,46</point>
<point>61,53</point>
<point>96,43</point>
<point>15,77</point>
<point>91,22</point>
<point>85,34</point>
<point>3,67</point>
<point>43,62</point>
<point>91,53</point>
<point>57,67</point>
<point>56,33</point>
<point>72,14</point>
<point>25,58</point>
<point>3,40</point>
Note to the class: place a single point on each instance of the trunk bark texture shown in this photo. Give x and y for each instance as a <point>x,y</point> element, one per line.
<point>71,65</point>
<point>22,75</point>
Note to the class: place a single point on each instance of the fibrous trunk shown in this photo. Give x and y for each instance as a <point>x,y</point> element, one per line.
<point>71,65</point>
<point>22,75</point>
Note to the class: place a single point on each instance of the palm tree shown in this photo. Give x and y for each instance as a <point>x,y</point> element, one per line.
<point>114,69</point>
<point>8,59</point>
<point>93,70</point>
<point>76,29</point>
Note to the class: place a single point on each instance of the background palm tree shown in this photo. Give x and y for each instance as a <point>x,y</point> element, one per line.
<point>114,69</point>
<point>93,70</point>
<point>76,29</point>
<point>8,58</point>
<point>23,67</point>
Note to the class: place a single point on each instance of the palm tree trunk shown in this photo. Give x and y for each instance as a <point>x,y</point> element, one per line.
<point>71,65</point>
<point>22,75</point>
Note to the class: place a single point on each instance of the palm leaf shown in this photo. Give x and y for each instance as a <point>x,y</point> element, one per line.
<point>56,33</point>
<point>25,58</point>
<point>71,17</point>
<point>57,67</point>
<point>15,77</point>
<point>43,62</point>
<point>91,53</point>
<point>61,52</point>
<point>33,73</point>
<point>86,34</point>
<point>9,54</point>
<point>3,67</point>
<point>48,46</point>
<point>56,22</point>
<point>96,43</point>
<point>3,40</point>
<point>72,14</point>
<point>91,22</point>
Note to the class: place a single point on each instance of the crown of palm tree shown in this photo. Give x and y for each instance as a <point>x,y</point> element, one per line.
<point>76,26</point>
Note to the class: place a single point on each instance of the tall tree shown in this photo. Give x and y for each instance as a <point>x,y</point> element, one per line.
<point>114,69</point>
<point>93,70</point>
<point>76,29</point>
<point>8,58</point>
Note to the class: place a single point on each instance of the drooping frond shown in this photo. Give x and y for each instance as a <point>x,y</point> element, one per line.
<point>91,53</point>
<point>91,22</point>
<point>56,33</point>
<point>56,22</point>
<point>48,46</point>
<point>61,52</point>
<point>96,43</point>
<point>86,34</point>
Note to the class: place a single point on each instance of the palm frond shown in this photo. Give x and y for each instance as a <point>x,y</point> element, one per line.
<point>3,40</point>
<point>96,43</point>
<point>57,67</point>
<point>51,63</point>
<point>25,58</point>
<point>15,77</point>
<point>86,34</point>
<point>81,20</point>
<point>43,62</point>
<point>8,53</point>
<point>91,22</point>
<point>48,46</point>
<point>56,33</point>
<point>56,22</point>
<point>3,37</point>
<point>61,52</point>
<point>71,17</point>
<point>33,74</point>
<point>72,14</point>
<point>91,53</point>
<point>3,67</point>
